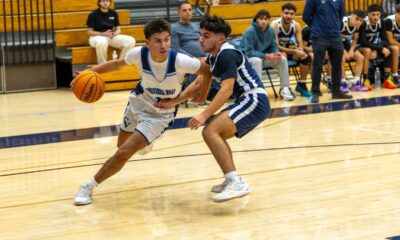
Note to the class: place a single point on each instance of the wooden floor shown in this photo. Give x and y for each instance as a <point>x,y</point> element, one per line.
<point>333,175</point>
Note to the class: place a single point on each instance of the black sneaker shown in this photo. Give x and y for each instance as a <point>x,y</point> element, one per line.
<point>315,99</point>
<point>341,95</point>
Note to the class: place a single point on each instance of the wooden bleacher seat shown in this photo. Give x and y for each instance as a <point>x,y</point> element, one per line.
<point>61,20</point>
<point>58,6</point>
<point>78,37</point>
<point>246,10</point>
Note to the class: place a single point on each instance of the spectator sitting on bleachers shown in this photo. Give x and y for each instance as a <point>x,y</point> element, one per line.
<point>259,45</point>
<point>185,36</point>
<point>290,43</point>
<point>104,30</point>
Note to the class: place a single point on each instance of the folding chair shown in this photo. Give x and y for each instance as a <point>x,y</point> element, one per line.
<point>292,64</point>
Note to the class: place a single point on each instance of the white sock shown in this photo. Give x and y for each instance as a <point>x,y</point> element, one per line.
<point>231,176</point>
<point>92,182</point>
<point>302,81</point>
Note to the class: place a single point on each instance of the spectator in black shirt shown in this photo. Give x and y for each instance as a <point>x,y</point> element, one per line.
<point>103,30</point>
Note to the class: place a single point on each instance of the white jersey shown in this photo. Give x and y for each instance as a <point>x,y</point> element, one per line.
<point>159,80</point>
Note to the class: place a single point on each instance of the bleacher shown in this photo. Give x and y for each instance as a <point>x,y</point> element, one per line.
<point>75,40</point>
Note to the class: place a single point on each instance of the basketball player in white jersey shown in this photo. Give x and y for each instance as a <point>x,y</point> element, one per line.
<point>162,72</point>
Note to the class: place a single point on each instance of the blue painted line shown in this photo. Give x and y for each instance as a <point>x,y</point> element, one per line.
<point>393,238</point>
<point>106,131</point>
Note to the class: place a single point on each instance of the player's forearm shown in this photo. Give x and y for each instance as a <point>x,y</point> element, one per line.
<point>188,93</point>
<point>219,100</point>
<point>204,87</point>
<point>109,66</point>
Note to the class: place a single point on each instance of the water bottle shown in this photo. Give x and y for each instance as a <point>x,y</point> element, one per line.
<point>377,78</point>
<point>114,55</point>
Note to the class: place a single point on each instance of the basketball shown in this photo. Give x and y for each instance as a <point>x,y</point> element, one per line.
<point>88,86</point>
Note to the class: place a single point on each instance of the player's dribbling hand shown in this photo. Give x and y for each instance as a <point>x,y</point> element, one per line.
<point>196,121</point>
<point>166,103</point>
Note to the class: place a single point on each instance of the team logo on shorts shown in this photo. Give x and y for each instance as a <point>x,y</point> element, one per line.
<point>127,122</point>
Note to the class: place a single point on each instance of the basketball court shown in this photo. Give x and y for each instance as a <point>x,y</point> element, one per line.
<point>322,171</point>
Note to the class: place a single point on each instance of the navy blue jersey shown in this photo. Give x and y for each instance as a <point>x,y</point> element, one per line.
<point>373,33</point>
<point>391,25</point>
<point>347,31</point>
<point>286,39</point>
<point>231,63</point>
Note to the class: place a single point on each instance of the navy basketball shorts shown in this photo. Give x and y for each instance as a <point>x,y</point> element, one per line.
<point>249,110</point>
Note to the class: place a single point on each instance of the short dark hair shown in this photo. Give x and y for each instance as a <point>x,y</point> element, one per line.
<point>156,26</point>
<point>261,14</point>
<point>398,8</point>
<point>359,13</point>
<point>98,2</point>
<point>289,6</point>
<point>215,24</point>
<point>183,3</point>
<point>374,8</point>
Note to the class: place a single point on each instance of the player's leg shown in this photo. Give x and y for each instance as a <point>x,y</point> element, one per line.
<point>368,55</point>
<point>244,115</point>
<point>395,64</point>
<point>388,67</point>
<point>357,84</point>
<point>132,144</point>
<point>304,65</point>
<point>215,134</point>
<point>344,84</point>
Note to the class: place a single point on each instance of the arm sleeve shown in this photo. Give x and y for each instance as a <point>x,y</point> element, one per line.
<point>186,64</point>
<point>175,43</point>
<point>90,20</point>
<point>228,62</point>
<point>388,25</point>
<point>116,19</point>
<point>308,12</point>
<point>249,43</point>
<point>133,56</point>
<point>383,35</point>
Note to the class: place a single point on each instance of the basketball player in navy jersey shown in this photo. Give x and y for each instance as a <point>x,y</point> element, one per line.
<point>373,36</point>
<point>350,33</point>
<point>392,26</point>
<point>290,44</point>
<point>162,72</point>
<point>236,75</point>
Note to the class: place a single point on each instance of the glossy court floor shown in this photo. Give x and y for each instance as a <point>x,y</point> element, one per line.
<point>321,171</point>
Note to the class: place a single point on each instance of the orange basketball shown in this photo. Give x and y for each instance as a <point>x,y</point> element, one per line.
<point>88,86</point>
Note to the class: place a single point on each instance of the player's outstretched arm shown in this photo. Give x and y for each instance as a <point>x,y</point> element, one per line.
<point>109,66</point>
<point>189,93</point>
<point>222,96</point>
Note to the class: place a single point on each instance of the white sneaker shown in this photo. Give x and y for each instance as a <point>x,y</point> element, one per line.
<point>84,195</point>
<point>149,147</point>
<point>286,94</point>
<point>235,189</point>
<point>219,187</point>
